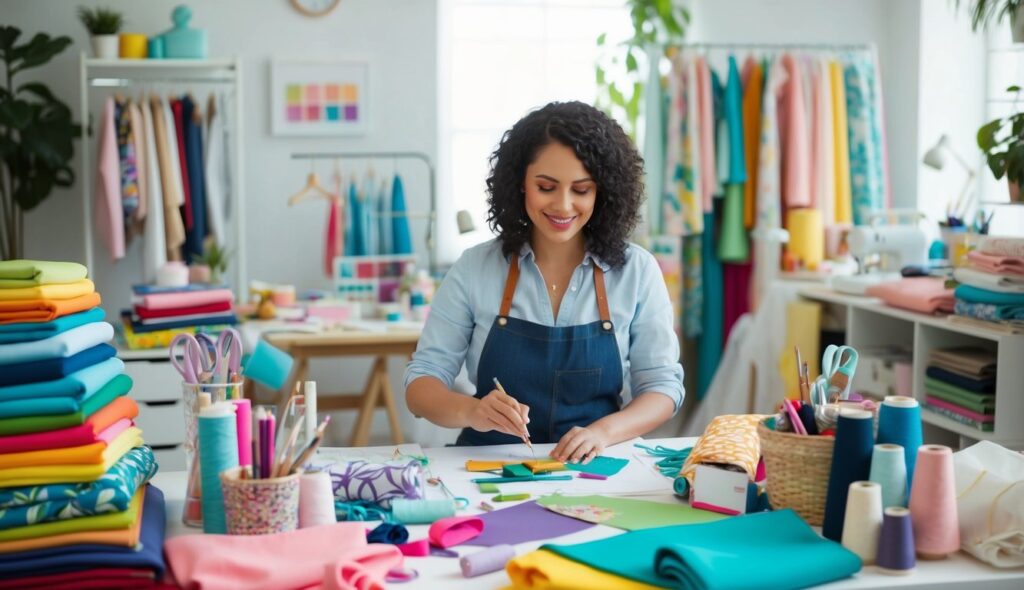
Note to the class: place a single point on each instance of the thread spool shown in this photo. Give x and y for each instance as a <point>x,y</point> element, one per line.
<point>218,451</point>
<point>422,511</point>
<point>851,461</point>
<point>889,470</point>
<point>933,503</point>
<point>896,543</point>
<point>172,274</point>
<point>489,560</point>
<point>316,499</point>
<point>806,237</point>
<point>243,428</point>
<point>863,520</point>
<point>899,422</point>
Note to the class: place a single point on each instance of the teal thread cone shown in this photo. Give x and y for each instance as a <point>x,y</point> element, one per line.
<point>889,470</point>
<point>218,451</point>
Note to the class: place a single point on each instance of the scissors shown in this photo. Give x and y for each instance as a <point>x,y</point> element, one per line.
<point>840,360</point>
<point>227,352</point>
<point>195,363</point>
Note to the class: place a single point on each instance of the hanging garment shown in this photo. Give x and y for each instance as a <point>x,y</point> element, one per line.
<point>736,287</point>
<point>399,220</point>
<point>369,197</point>
<point>878,123</point>
<point>768,235</point>
<point>865,156</point>
<point>333,235</point>
<point>710,346</point>
<point>722,153</point>
<point>191,128</point>
<point>674,182</point>
<point>352,235</point>
<point>823,153</point>
<point>707,133</point>
<point>732,245</point>
<point>215,170</point>
<point>135,223</point>
<point>693,206</point>
<point>841,148</point>
<point>343,225</point>
<point>154,240</point>
<point>693,286</point>
<point>186,184</point>
<point>795,141</point>
<point>654,140</point>
<point>752,89</point>
<point>170,178</point>
<point>384,240</point>
<point>109,217</point>
<point>126,159</point>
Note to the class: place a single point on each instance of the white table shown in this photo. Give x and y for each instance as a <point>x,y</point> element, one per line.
<point>958,571</point>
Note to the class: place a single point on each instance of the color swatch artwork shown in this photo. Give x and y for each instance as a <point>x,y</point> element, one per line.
<point>370,279</point>
<point>319,97</point>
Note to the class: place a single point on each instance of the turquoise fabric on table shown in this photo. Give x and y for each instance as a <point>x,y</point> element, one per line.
<point>76,384</point>
<point>975,295</point>
<point>54,406</point>
<point>774,550</point>
<point>32,331</point>
<point>712,316</point>
<point>16,274</point>
<point>401,239</point>
<point>112,492</point>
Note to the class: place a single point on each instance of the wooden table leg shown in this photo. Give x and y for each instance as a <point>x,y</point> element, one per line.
<point>389,404</point>
<point>361,434</point>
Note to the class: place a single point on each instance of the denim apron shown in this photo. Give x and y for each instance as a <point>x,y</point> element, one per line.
<point>568,375</point>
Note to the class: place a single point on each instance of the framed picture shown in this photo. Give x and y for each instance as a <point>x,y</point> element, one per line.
<point>319,97</point>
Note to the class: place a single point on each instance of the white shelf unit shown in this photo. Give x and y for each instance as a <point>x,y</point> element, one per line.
<point>869,322</point>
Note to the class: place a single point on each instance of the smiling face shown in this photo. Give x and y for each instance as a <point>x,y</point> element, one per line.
<point>560,195</point>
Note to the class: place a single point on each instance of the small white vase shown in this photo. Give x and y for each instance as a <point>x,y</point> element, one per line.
<point>105,46</point>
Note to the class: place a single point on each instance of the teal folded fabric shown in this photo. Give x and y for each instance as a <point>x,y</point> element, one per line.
<point>117,387</point>
<point>16,274</point>
<point>32,331</point>
<point>112,492</point>
<point>975,295</point>
<point>774,550</point>
<point>76,385</point>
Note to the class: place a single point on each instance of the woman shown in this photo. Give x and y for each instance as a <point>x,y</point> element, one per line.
<point>559,307</point>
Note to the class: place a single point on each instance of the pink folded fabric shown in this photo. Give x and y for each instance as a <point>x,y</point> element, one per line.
<point>334,556</point>
<point>924,294</point>
<point>183,299</point>
<point>995,263</point>
<point>455,530</point>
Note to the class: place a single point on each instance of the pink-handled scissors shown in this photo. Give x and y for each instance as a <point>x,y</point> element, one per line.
<point>229,352</point>
<point>195,363</point>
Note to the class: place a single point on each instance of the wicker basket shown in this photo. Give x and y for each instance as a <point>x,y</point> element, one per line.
<point>797,468</point>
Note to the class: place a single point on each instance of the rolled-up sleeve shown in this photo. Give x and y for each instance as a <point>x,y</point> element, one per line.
<point>447,332</point>
<point>653,344</point>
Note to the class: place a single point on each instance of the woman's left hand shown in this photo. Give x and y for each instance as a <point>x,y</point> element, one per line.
<point>579,445</point>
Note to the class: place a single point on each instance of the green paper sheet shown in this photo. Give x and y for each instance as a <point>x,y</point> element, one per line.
<point>606,466</point>
<point>741,552</point>
<point>632,515</point>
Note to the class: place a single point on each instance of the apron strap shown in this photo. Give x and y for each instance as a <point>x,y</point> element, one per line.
<point>510,287</point>
<point>513,278</point>
<point>602,298</point>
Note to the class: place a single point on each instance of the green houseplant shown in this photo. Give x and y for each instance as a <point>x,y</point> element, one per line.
<point>103,25</point>
<point>216,257</point>
<point>985,11</point>
<point>1002,141</point>
<point>36,135</point>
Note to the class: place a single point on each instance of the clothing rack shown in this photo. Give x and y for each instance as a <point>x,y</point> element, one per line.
<point>431,216</point>
<point>780,46</point>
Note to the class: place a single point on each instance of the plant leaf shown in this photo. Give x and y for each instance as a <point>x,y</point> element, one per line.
<point>16,114</point>
<point>987,134</point>
<point>601,39</point>
<point>8,36</point>
<point>997,164</point>
<point>38,51</point>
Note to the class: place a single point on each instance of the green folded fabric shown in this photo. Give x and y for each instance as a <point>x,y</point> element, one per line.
<point>983,403</point>
<point>15,274</point>
<point>112,521</point>
<point>117,387</point>
<point>742,552</point>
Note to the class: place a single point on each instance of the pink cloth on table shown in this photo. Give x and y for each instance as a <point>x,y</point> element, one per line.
<point>109,215</point>
<point>184,299</point>
<point>924,294</point>
<point>455,530</point>
<point>705,107</point>
<point>334,556</point>
<point>796,150</point>
<point>996,264</point>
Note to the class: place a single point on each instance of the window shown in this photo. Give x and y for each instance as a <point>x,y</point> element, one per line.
<point>497,61</point>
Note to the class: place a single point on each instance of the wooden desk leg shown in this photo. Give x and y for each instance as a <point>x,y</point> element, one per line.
<point>389,404</point>
<point>361,434</point>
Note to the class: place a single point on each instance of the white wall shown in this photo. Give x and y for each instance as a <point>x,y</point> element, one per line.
<point>283,245</point>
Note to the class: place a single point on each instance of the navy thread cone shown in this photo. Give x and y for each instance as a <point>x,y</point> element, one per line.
<point>851,461</point>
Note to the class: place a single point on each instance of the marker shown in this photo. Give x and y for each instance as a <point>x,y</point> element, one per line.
<point>510,497</point>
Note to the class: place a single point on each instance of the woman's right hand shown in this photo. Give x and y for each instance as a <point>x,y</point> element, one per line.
<point>501,412</point>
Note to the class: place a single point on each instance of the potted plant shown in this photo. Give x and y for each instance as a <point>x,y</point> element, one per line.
<point>1002,141</point>
<point>215,257</point>
<point>984,11</point>
<point>103,24</point>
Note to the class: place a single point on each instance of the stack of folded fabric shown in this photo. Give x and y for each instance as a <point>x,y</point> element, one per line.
<point>960,383</point>
<point>992,285</point>
<point>72,465</point>
<point>923,294</point>
<point>160,313</point>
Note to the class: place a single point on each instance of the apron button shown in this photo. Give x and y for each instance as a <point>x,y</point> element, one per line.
<point>502,321</point>
<point>607,325</point>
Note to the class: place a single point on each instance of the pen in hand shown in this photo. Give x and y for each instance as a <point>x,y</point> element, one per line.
<point>526,433</point>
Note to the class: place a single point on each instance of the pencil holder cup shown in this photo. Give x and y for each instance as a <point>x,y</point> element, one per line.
<point>260,506</point>
<point>797,468</point>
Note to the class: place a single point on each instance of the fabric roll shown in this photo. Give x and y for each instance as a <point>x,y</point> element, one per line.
<point>377,482</point>
<point>55,291</point>
<point>20,274</point>
<point>107,203</point>
<point>117,387</point>
<point>154,250</point>
<point>33,331</point>
<point>122,408</point>
<point>62,345</point>
<point>400,232</point>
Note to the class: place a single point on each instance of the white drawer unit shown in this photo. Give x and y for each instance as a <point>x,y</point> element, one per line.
<point>157,389</point>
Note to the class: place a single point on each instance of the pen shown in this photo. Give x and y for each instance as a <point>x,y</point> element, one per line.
<point>526,434</point>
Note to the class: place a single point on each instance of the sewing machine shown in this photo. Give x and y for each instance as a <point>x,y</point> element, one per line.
<point>895,246</point>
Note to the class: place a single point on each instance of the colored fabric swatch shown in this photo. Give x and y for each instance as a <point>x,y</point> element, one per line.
<point>976,402</point>
<point>923,294</point>
<point>147,314</point>
<point>33,331</point>
<point>528,521</point>
<point>208,324</point>
<point>104,522</point>
<point>58,291</point>
<point>116,387</point>
<point>971,294</point>
<point>739,552</point>
<point>112,492</point>
<point>544,570</point>
<point>400,233</point>
<point>122,408</point>
<point>77,384</point>
<point>986,384</point>
<point>601,465</point>
<point>81,455</point>
<point>62,345</point>
<point>629,514</point>
<point>730,440</point>
<point>179,299</point>
<point>72,473</point>
<point>989,311</point>
<point>44,310</point>
<point>17,274</point>
<point>55,368</point>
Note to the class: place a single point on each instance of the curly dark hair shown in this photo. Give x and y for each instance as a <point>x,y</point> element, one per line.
<point>608,155</point>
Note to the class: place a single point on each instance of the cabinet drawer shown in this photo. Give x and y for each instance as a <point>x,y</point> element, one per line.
<point>162,423</point>
<point>153,380</point>
<point>170,458</point>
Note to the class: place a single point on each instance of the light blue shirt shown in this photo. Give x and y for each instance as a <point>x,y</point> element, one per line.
<point>465,305</point>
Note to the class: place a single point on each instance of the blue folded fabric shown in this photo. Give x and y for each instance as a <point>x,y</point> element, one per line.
<point>775,550</point>
<point>31,331</point>
<point>76,384</point>
<point>983,385</point>
<point>73,558</point>
<point>52,369</point>
<point>227,319</point>
<point>189,288</point>
<point>975,295</point>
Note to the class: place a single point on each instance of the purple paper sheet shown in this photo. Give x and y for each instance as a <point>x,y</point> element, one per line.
<point>524,522</point>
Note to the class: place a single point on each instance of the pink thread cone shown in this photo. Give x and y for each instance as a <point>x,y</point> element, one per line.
<point>933,503</point>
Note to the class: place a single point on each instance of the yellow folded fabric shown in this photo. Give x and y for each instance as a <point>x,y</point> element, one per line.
<point>543,570</point>
<point>113,521</point>
<point>91,454</point>
<point>59,291</point>
<point>729,440</point>
<point>64,473</point>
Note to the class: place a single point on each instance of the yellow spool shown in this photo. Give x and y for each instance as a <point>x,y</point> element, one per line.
<point>806,236</point>
<point>132,46</point>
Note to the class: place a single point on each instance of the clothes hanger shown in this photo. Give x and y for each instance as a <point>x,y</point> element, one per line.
<point>313,189</point>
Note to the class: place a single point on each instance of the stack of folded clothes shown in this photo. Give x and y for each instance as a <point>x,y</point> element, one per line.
<point>992,285</point>
<point>72,466</point>
<point>160,313</point>
<point>960,383</point>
